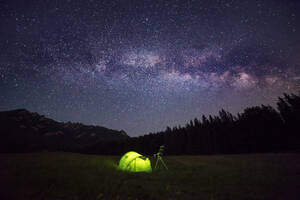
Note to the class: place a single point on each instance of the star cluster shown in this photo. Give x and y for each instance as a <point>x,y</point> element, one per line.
<point>144,65</point>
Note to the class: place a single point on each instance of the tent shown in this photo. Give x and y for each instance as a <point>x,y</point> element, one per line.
<point>135,162</point>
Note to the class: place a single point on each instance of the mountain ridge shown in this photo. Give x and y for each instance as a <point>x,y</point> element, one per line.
<point>22,130</point>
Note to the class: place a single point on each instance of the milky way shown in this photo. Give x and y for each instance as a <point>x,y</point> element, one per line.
<point>143,65</point>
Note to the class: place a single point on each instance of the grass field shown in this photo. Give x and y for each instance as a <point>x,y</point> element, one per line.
<point>58,176</point>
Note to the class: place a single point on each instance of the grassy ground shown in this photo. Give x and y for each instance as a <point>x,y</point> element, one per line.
<point>57,176</point>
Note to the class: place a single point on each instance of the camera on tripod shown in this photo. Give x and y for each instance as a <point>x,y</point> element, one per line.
<point>158,157</point>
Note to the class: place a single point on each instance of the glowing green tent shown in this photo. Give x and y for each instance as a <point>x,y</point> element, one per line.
<point>135,162</point>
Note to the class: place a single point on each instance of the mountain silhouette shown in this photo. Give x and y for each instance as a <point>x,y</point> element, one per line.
<point>23,131</point>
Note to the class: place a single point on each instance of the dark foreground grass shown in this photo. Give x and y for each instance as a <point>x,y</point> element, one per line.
<point>55,176</point>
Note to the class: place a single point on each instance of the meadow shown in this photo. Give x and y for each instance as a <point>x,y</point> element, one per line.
<point>60,176</point>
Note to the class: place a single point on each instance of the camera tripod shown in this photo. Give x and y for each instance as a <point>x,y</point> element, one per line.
<point>158,157</point>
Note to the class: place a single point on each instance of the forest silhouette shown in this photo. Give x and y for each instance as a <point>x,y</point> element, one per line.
<point>257,129</point>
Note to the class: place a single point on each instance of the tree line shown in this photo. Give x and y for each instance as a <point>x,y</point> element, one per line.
<point>256,130</point>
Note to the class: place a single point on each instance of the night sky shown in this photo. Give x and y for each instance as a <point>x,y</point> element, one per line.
<point>143,65</point>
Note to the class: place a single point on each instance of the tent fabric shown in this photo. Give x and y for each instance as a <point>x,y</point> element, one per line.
<point>135,162</point>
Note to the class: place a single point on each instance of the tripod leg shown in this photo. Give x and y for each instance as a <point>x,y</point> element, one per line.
<point>156,163</point>
<point>164,164</point>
